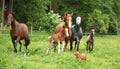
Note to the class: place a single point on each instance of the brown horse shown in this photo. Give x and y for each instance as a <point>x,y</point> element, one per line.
<point>67,22</point>
<point>18,32</point>
<point>90,40</point>
<point>58,38</point>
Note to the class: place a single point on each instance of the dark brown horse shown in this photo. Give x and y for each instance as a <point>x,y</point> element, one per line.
<point>18,32</point>
<point>67,22</point>
<point>90,40</point>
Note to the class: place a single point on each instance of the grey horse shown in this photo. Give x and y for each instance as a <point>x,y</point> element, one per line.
<point>76,34</point>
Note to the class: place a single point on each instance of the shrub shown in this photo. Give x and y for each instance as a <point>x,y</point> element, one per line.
<point>99,21</point>
<point>53,20</point>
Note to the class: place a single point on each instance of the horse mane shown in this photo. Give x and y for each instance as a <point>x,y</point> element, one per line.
<point>64,17</point>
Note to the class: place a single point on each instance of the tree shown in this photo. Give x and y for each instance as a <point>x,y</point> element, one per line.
<point>99,21</point>
<point>32,12</point>
<point>86,8</point>
<point>93,12</point>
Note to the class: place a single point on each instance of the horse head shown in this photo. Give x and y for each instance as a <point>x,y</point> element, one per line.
<point>68,20</point>
<point>93,31</point>
<point>10,18</point>
<point>78,20</point>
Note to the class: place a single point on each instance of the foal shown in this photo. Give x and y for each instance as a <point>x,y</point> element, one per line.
<point>76,34</point>
<point>58,38</point>
<point>67,22</point>
<point>90,40</point>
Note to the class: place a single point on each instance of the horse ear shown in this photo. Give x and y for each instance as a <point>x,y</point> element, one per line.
<point>65,13</point>
<point>63,18</point>
<point>9,12</point>
<point>13,13</point>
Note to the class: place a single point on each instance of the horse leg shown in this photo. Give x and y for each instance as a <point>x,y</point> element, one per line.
<point>71,42</point>
<point>49,47</point>
<point>20,46</point>
<point>87,46</point>
<point>63,44</point>
<point>58,47</point>
<point>66,42</point>
<point>78,42</point>
<point>18,39</point>
<point>27,41</point>
<point>13,41</point>
<point>92,47</point>
<point>54,47</point>
<point>75,44</point>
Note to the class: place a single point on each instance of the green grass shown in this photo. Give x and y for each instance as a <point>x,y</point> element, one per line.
<point>104,56</point>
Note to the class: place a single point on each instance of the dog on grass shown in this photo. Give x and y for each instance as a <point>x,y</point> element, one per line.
<point>80,56</point>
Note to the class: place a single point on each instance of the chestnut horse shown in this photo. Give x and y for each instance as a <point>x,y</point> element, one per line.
<point>67,22</point>
<point>18,32</point>
<point>58,38</point>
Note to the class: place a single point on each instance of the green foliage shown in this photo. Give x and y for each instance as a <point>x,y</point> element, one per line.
<point>99,21</point>
<point>32,12</point>
<point>86,8</point>
<point>53,20</point>
<point>113,25</point>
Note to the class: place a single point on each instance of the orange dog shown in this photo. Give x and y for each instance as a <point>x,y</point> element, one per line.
<point>80,56</point>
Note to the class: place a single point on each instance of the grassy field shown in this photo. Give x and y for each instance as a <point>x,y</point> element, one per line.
<point>106,54</point>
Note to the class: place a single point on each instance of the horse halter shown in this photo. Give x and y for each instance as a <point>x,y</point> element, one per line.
<point>78,20</point>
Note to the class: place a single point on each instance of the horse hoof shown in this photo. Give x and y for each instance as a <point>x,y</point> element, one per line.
<point>15,51</point>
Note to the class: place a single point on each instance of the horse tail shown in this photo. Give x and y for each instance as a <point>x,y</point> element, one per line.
<point>27,41</point>
<point>49,37</point>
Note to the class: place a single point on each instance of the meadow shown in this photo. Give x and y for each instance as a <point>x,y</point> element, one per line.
<point>106,54</point>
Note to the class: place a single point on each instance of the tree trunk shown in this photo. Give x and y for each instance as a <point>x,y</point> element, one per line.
<point>2,24</point>
<point>10,5</point>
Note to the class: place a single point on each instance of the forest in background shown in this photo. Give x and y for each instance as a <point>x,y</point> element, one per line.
<point>103,15</point>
